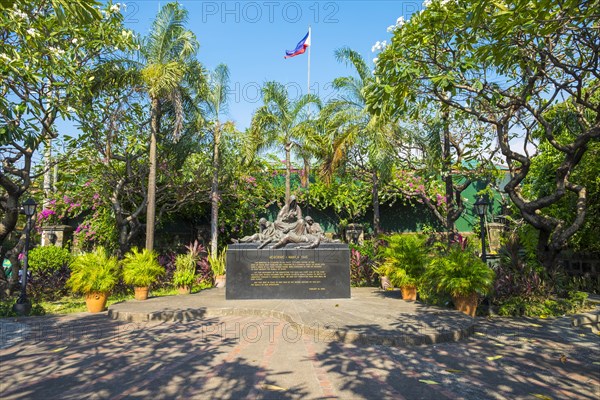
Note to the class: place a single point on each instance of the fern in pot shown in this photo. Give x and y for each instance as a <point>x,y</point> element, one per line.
<point>462,275</point>
<point>141,269</point>
<point>404,261</point>
<point>94,274</point>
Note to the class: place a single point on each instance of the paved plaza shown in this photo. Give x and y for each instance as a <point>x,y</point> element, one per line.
<point>250,354</point>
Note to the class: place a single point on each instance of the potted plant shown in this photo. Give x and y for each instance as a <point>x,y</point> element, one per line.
<point>462,275</point>
<point>94,274</point>
<point>217,265</point>
<point>404,261</point>
<point>185,273</point>
<point>140,269</point>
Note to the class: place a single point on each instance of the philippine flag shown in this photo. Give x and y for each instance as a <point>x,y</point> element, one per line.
<point>300,47</point>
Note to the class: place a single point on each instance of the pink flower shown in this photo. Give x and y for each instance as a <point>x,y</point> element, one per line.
<point>21,256</point>
<point>66,199</point>
<point>46,213</point>
<point>96,196</point>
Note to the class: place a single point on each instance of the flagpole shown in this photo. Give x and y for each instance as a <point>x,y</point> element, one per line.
<point>308,79</point>
<point>308,91</point>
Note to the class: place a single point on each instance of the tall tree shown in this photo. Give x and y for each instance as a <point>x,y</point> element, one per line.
<point>444,153</point>
<point>358,137</point>
<point>506,71</point>
<point>168,53</point>
<point>47,51</point>
<point>282,122</point>
<point>214,107</point>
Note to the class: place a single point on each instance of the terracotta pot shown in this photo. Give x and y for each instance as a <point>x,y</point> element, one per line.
<point>466,304</point>
<point>184,289</point>
<point>385,283</point>
<point>409,293</point>
<point>96,301</point>
<point>220,281</point>
<point>141,293</point>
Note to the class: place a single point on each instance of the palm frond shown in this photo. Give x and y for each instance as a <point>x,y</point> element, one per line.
<point>349,56</point>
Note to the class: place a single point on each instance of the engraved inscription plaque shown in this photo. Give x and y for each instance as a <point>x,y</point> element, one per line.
<point>288,273</point>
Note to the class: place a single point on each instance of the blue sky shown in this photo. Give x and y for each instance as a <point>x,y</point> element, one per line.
<point>251,38</point>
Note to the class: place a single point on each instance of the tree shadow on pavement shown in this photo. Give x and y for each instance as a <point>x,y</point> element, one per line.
<point>505,358</point>
<point>93,357</point>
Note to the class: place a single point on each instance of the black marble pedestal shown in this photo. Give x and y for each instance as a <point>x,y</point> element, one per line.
<point>288,273</point>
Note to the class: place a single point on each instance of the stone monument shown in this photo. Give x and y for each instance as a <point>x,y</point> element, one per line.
<point>288,259</point>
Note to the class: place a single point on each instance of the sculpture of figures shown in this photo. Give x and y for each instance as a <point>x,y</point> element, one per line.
<point>290,219</point>
<point>312,227</point>
<point>289,227</point>
<point>267,233</point>
<point>313,236</point>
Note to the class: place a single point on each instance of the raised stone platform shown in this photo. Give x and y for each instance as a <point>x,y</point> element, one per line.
<point>370,316</point>
<point>288,273</point>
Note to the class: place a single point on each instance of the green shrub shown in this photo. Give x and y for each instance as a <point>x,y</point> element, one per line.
<point>541,307</point>
<point>141,269</point>
<point>48,259</point>
<point>460,272</point>
<point>49,271</point>
<point>217,262</point>
<point>94,272</point>
<point>404,259</point>
<point>185,270</point>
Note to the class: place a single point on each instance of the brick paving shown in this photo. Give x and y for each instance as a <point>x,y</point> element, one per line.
<point>84,356</point>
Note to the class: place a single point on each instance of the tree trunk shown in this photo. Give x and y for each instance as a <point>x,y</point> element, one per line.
<point>214,193</point>
<point>288,171</point>
<point>123,241</point>
<point>47,173</point>
<point>447,175</point>
<point>546,253</point>
<point>151,207</point>
<point>376,217</point>
<point>9,220</point>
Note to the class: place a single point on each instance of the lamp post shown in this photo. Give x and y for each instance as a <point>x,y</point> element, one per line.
<point>23,305</point>
<point>481,207</point>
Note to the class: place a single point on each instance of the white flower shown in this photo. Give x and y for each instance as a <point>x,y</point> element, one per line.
<point>400,21</point>
<point>391,28</point>
<point>20,14</point>
<point>378,46</point>
<point>115,8</point>
<point>56,51</point>
<point>375,60</point>
<point>74,40</point>
<point>426,3</point>
<point>32,32</point>
<point>70,109</point>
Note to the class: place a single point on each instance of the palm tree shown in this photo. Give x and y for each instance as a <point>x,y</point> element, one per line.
<point>167,53</point>
<point>282,122</point>
<point>214,104</point>
<point>357,135</point>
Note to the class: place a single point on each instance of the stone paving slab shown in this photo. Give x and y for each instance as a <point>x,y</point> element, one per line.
<point>370,316</point>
